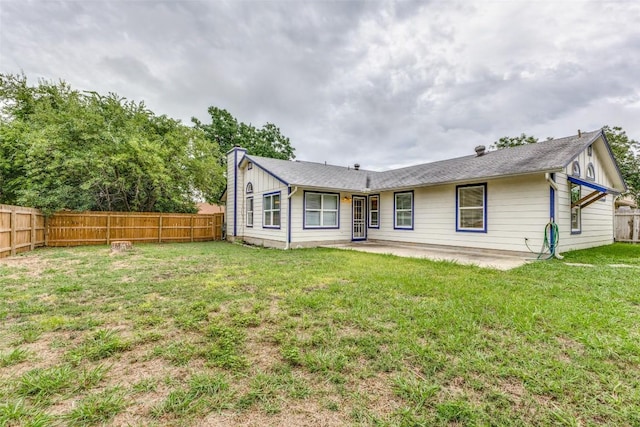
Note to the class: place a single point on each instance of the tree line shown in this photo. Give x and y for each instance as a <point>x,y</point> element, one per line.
<point>65,149</point>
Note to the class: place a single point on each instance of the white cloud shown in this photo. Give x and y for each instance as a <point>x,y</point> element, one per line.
<point>379,83</point>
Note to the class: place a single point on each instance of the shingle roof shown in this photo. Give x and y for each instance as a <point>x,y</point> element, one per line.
<point>546,156</point>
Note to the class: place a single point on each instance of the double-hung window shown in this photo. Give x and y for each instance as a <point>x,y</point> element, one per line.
<point>403,210</point>
<point>271,210</point>
<point>321,210</point>
<point>576,221</point>
<point>471,209</point>
<point>249,211</point>
<point>374,211</point>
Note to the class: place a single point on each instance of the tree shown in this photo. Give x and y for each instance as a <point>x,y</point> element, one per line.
<point>627,154</point>
<point>513,141</point>
<point>225,131</point>
<point>62,149</point>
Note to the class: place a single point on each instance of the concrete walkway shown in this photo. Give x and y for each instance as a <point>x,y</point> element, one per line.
<point>500,260</point>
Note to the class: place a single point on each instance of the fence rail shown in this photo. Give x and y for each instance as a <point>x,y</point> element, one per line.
<point>101,228</point>
<point>24,229</point>
<point>627,226</point>
<point>21,229</point>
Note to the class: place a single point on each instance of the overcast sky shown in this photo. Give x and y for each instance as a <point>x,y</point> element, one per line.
<point>380,83</point>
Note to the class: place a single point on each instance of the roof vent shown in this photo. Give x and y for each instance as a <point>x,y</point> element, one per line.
<point>480,150</point>
<point>579,133</point>
<point>357,166</point>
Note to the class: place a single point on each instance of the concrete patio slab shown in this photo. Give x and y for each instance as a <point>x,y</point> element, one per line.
<point>500,260</point>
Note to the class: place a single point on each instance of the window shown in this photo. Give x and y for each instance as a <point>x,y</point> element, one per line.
<point>249,211</point>
<point>590,150</point>
<point>471,210</point>
<point>321,210</point>
<point>374,211</point>
<point>576,226</point>
<point>249,188</point>
<point>271,210</point>
<point>250,165</point>
<point>403,210</point>
<point>591,172</point>
<point>575,169</point>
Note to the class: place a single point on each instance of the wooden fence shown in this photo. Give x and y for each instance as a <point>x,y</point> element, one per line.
<point>24,229</point>
<point>21,229</point>
<point>101,228</point>
<point>627,226</point>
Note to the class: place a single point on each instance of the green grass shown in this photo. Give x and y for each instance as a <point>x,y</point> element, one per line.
<point>214,333</point>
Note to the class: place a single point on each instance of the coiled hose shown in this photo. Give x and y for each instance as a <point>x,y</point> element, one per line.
<point>549,243</point>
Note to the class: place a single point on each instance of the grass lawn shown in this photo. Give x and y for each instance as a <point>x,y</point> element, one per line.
<point>221,334</point>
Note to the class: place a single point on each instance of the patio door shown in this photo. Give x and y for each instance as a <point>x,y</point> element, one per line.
<point>359,218</point>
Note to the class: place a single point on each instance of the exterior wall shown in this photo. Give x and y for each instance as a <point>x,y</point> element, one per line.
<point>517,208</point>
<point>262,184</point>
<point>597,218</point>
<point>301,237</point>
<point>233,182</point>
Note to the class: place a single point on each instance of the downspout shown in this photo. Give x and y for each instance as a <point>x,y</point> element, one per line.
<point>552,213</point>
<point>291,193</point>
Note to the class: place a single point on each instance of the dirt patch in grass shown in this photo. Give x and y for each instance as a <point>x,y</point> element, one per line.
<point>306,413</point>
<point>30,265</point>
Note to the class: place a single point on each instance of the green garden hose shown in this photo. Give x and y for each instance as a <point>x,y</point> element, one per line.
<point>549,243</point>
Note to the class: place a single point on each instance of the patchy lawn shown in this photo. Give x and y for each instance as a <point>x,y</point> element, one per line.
<point>221,334</point>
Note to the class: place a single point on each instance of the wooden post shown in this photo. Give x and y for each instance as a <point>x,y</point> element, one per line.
<point>160,229</point>
<point>33,230</point>
<point>13,231</point>
<point>636,227</point>
<point>108,228</point>
<point>191,222</point>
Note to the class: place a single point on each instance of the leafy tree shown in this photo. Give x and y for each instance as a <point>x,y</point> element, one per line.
<point>225,131</point>
<point>513,141</point>
<point>627,154</point>
<point>62,149</point>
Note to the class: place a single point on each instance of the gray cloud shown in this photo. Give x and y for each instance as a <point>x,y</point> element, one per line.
<point>381,83</point>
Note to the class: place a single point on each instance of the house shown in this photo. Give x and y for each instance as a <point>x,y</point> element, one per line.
<point>499,200</point>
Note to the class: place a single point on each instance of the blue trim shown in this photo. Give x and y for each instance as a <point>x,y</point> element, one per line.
<point>395,227</point>
<point>364,205</point>
<point>591,185</point>
<point>552,216</point>
<point>369,210</point>
<point>304,212</point>
<point>235,192</point>
<point>253,212</point>
<point>276,227</point>
<point>290,200</point>
<point>485,208</point>
<point>249,159</point>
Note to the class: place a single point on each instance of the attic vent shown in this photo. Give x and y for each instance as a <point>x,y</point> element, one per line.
<point>357,166</point>
<point>480,150</point>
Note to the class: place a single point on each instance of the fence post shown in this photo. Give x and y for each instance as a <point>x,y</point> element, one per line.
<point>636,227</point>
<point>160,229</point>
<point>109,228</point>
<point>191,223</point>
<point>33,230</point>
<point>13,231</point>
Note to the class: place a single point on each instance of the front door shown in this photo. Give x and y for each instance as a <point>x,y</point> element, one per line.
<point>359,218</point>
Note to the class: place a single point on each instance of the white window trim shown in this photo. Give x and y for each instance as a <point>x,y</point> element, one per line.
<point>483,208</point>
<point>396,210</point>
<point>250,211</point>
<point>577,230</point>
<point>322,210</point>
<point>272,196</point>
<point>371,224</point>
